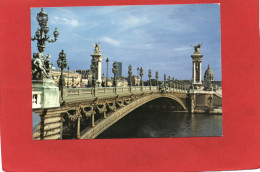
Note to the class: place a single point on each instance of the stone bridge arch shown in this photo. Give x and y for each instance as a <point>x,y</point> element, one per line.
<point>91,133</point>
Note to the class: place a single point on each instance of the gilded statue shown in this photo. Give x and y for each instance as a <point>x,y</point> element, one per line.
<point>97,47</point>
<point>197,48</point>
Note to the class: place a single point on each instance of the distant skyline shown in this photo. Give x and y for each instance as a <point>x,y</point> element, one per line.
<point>156,37</point>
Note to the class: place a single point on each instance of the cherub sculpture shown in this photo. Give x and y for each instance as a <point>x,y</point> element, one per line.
<point>40,67</point>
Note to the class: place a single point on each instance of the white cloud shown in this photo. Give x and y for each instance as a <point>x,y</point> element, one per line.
<point>131,21</point>
<point>65,20</point>
<point>110,41</point>
<point>186,48</point>
<point>64,17</point>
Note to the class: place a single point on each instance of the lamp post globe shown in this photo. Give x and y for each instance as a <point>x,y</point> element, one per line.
<point>42,18</point>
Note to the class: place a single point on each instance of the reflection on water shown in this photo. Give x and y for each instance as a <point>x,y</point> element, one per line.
<point>165,124</point>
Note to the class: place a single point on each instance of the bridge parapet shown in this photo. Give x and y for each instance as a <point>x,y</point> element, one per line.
<point>78,93</point>
<point>90,93</point>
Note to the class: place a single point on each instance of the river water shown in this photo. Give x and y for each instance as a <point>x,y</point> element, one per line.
<point>140,124</point>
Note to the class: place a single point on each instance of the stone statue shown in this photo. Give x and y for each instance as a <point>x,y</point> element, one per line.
<point>48,64</point>
<point>197,48</point>
<point>40,67</point>
<point>97,47</point>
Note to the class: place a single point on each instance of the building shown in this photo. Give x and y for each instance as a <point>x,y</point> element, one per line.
<point>119,67</point>
<point>209,74</point>
<point>72,78</point>
<point>208,79</point>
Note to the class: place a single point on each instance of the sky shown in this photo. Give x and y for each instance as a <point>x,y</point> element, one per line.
<point>156,37</point>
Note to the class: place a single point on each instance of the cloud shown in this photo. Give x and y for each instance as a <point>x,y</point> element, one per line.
<point>110,41</point>
<point>65,20</point>
<point>64,17</point>
<point>130,21</point>
<point>185,49</point>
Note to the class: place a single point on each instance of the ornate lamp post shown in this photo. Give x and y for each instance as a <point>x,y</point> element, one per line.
<point>130,74</point>
<point>62,63</point>
<point>141,76</point>
<point>114,70</point>
<point>138,72</point>
<point>68,77</point>
<point>150,75</point>
<point>169,80</point>
<point>107,72</point>
<point>164,77</point>
<point>41,36</point>
<point>157,76</point>
<point>93,67</point>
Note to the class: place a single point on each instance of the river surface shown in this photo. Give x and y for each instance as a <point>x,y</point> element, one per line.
<point>139,124</point>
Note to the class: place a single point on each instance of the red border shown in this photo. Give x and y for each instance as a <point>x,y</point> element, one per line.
<point>237,149</point>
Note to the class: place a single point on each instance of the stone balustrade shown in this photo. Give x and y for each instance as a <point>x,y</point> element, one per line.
<point>36,99</point>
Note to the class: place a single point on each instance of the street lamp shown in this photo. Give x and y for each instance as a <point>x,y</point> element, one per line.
<point>169,80</point>
<point>62,63</point>
<point>107,72</point>
<point>164,79</point>
<point>150,75</point>
<point>157,76</point>
<point>114,70</point>
<point>41,35</point>
<point>93,67</point>
<point>130,74</point>
<point>141,75</point>
<point>68,77</point>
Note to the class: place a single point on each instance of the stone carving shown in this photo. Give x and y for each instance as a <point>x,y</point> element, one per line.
<point>40,66</point>
<point>97,48</point>
<point>197,48</point>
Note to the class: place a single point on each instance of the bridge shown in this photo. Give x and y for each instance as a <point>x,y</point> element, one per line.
<point>87,112</point>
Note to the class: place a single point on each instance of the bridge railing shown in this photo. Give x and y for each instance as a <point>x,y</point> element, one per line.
<point>93,92</point>
<point>36,99</point>
<point>109,91</point>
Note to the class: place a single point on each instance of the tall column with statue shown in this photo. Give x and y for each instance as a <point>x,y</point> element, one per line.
<point>196,72</point>
<point>97,56</point>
